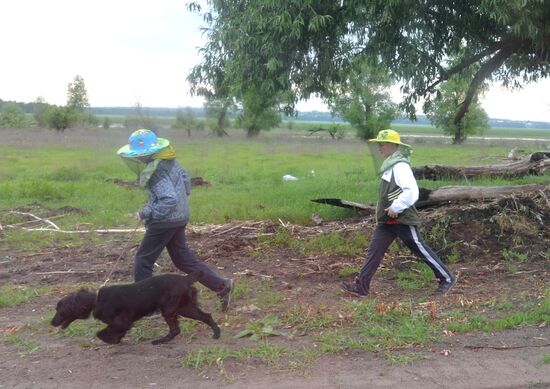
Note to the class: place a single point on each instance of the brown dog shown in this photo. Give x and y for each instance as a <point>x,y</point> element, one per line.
<point>119,306</point>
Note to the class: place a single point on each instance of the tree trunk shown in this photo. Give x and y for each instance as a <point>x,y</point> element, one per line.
<point>458,134</point>
<point>534,164</point>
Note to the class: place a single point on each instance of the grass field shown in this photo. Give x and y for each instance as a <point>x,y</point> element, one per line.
<point>245,176</point>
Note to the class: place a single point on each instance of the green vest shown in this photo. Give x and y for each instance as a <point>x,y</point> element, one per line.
<point>389,191</point>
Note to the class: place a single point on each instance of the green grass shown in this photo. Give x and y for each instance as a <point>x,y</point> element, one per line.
<point>206,357</point>
<point>332,242</point>
<point>13,295</point>
<point>347,271</point>
<point>23,344</point>
<point>420,276</point>
<point>380,330</point>
<point>307,318</point>
<point>539,314</point>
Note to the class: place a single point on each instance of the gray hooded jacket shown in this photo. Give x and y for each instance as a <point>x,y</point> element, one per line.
<point>168,188</point>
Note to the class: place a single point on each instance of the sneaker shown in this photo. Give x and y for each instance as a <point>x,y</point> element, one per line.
<point>225,295</point>
<point>353,288</point>
<point>445,286</point>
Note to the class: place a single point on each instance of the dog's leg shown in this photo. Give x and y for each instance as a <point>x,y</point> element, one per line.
<point>111,334</point>
<point>195,313</point>
<point>116,329</point>
<point>171,319</point>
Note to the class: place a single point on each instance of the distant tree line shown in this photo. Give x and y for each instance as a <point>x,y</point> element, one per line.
<point>199,113</point>
<point>12,114</point>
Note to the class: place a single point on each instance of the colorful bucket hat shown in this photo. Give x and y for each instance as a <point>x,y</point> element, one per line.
<point>389,136</point>
<point>142,142</point>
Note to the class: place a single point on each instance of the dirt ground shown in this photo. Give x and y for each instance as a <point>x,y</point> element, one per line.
<point>476,233</point>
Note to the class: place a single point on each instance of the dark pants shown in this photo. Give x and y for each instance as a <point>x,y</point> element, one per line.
<point>173,238</point>
<point>383,236</point>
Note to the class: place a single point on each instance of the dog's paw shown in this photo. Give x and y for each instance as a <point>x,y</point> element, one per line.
<point>216,334</point>
<point>156,342</point>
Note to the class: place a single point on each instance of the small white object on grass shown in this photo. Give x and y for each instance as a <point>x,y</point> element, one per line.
<point>289,177</point>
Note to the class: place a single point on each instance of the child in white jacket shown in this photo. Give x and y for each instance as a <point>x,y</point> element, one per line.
<point>397,217</point>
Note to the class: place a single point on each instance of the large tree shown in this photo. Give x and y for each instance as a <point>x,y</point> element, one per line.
<point>293,48</point>
<point>442,111</point>
<point>257,113</point>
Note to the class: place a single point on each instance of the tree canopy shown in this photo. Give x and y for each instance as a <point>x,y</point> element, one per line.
<point>291,49</point>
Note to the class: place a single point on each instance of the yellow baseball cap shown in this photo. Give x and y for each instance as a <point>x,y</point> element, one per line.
<point>389,136</point>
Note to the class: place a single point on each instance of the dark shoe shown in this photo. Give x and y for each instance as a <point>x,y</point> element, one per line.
<point>445,286</point>
<point>225,295</point>
<point>353,288</point>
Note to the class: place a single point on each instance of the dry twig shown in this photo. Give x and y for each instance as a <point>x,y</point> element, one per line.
<point>505,347</point>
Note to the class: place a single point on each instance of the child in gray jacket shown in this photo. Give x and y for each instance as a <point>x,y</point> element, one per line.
<point>166,213</point>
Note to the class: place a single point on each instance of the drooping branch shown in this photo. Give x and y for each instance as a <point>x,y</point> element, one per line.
<point>466,62</point>
<point>485,71</point>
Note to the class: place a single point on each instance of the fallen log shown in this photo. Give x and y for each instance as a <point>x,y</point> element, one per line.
<point>534,164</point>
<point>449,194</point>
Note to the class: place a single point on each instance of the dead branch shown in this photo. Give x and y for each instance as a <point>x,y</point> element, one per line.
<point>229,230</point>
<point>543,195</point>
<point>66,272</point>
<point>33,221</point>
<point>101,231</point>
<point>247,272</point>
<point>37,218</point>
<point>475,347</point>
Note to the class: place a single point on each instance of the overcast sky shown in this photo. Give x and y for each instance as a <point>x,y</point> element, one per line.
<point>140,51</point>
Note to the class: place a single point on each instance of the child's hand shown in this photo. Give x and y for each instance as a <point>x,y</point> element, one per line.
<point>391,213</point>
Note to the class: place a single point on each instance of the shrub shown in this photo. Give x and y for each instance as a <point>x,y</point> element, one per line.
<point>12,116</point>
<point>61,118</point>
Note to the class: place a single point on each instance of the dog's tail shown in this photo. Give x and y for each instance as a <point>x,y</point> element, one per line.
<point>194,276</point>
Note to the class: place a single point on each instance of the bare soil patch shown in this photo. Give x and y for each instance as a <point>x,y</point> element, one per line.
<point>475,235</point>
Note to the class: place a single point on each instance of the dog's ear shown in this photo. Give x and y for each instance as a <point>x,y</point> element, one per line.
<point>82,303</point>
